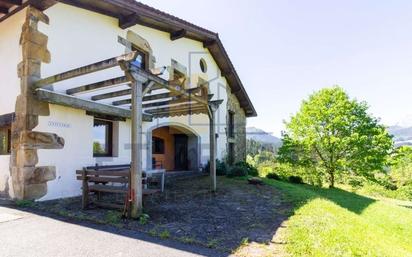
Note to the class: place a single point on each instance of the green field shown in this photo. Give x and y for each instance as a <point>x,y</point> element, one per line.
<point>334,222</point>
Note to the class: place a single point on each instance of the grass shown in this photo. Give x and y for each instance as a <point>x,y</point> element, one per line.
<point>165,234</point>
<point>334,222</point>
<point>24,203</point>
<point>113,217</point>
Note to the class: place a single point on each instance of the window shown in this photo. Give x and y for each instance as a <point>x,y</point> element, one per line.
<point>203,65</point>
<point>5,135</point>
<point>102,138</point>
<point>140,59</point>
<point>231,153</point>
<point>158,145</point>
<point>231,125</point>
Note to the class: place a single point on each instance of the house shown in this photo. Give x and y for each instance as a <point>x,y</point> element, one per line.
<point>68,70</point>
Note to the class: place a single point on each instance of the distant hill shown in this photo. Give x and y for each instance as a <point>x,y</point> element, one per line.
<point>401,135</point>
<point>262,136</point>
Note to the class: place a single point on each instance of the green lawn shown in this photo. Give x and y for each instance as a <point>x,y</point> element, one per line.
<point>334,222</point>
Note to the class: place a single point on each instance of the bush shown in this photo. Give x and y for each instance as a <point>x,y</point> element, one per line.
<point>404,192</point>
<point>237,171</point>
<point>252,171</point>
<point>295,180</point>
<point>221,168</point>
<point>273,176</point>
<point>355,182</point>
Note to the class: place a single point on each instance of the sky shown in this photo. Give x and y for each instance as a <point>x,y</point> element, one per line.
<point>284,50</point>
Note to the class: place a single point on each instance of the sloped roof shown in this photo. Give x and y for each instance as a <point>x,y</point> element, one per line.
<point>130,12</point>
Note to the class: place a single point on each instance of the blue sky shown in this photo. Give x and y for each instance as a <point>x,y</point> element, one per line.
<point>285,50</point>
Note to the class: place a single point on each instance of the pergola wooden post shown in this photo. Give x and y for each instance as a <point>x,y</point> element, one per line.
<point>136,166</point>
<point>213,106</point>
<point>136,170</point>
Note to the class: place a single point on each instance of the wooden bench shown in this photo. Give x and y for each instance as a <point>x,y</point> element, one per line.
<point>108,179</point>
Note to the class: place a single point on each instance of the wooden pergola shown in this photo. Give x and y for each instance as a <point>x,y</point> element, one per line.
<point>147,97</point>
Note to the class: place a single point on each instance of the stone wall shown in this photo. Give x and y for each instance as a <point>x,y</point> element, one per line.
<point>240,128</point>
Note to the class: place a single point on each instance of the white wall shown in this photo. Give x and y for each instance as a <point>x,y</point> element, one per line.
<point>10,56</point>
<point>78,37</point>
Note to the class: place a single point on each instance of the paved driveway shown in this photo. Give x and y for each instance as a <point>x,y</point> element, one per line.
<point>28,234</point>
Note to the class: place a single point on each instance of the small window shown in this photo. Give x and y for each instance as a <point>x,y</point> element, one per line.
<point>102,138</point>
<point>203,65</point>
<point>231,153</point>
<point>140,61</point>
<point>231,125</point>
<point>5,145</point>
<point>158,145</point>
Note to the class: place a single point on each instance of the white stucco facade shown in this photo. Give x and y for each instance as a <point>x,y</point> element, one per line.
<point>10,55</point>
<point>77,37</point>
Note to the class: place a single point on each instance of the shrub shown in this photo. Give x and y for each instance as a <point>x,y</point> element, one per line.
<point>221,168</point>
<point>164,234</point>
<point>112,217</point>
<point>404,192</point>
<point>355,182</point>
<point>252,171</point>
<point>144,219</point>
<point>237,171</point>
<point>295,180</point>
<point>273,176</point>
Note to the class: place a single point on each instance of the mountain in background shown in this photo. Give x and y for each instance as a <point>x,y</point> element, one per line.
<point>262,137</point>
<point>401,132</point>
<point>401,135</point>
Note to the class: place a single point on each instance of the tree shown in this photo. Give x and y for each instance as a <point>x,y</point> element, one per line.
<point>334,133</point>
<point>401,166</point>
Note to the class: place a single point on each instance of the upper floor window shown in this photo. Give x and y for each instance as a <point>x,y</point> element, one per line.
<point>102,138</point>
<point>231,124</point>
<point>5,145</point>
<point>140,61</point>
<point>203,65</point>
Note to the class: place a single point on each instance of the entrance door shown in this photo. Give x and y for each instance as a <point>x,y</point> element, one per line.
<point>181,161</point>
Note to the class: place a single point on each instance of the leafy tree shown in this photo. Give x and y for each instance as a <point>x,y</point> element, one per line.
<point>335,134</point>
<point>97,148</point>
<point>401,166</point>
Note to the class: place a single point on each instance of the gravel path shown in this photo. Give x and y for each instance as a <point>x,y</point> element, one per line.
<point>27,234</point>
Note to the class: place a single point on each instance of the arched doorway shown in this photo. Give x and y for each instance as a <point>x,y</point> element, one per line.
<point>173,147</point>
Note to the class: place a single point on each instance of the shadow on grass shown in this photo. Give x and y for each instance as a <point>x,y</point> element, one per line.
<point>302,194</point>
<point>190,214</point>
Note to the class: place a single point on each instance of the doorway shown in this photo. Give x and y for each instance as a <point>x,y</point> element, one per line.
<point>181,151</point>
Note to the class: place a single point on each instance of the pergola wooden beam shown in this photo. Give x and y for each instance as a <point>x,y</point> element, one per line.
<point>98,85</point>
<point>184,106</point>
<point>175,35</point>
<point>177,89</point>
<point>154,97</point>
<point>83,104</point>
<point>112,94</point>
<point>98,66</point>
<point>181,110</point>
